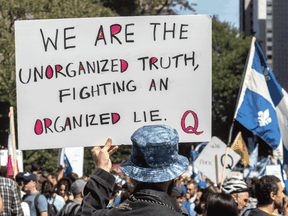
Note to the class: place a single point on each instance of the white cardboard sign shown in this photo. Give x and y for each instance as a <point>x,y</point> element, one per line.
<point>206,161</point>
<point>274,170</point>
<point>80,81</point>
<point>75,156</point>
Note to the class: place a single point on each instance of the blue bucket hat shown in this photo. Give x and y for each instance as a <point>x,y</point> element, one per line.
<point>154,156</point>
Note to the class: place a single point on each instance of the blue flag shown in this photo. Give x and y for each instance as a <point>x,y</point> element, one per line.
<point>253,157</point>
<point>261,166</point>
<point>262,104</point>
<point>68,167</point>
<point>194,153</point>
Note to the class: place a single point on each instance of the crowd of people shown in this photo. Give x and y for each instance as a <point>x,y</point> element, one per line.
<point>150,182</point>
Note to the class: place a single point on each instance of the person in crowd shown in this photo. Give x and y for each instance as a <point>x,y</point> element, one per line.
<point>201,185</point>
<point>192,189</point>
<point>45,174</point>
<point>20,181</point>
<point>25,207</point>
<point>73,208</point>
<point>270,195</point>
<point>1,205</point>
<point>40,180</point>
<point>10,199</point>
<point>30,181</point>
<point>239,191</point>
<point>220,204</point>
<point>153,166</point>
<point>178,196</point>
<point>3,171</point>
<point>48,191</point>
<point>252,198</point>
<point>127,189</point>
<point>198,208</point>
<point>85,178</point>
<point>53,178</point>
<point>115,194</point>
<point>34,168</point>
<point>73,176</point>
<point>64,188</point>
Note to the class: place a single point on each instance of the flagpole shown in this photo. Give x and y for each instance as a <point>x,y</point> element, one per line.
<point>232,126</point>
<point>192,148</point>
<point>11,115</point>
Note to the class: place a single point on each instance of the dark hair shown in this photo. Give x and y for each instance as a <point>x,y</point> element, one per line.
<point>264,187</point>
<point>53,175</point>
<point>47,189</point>
<point>72,176</point>
<point>34,167</point>
<point>64,181</point>
<point>222,204</point>
<point>3,171</point>
<point>127,186</point>
<point>206,193</point>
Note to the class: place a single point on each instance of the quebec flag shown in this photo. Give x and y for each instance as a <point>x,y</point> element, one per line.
<point>262,104</point>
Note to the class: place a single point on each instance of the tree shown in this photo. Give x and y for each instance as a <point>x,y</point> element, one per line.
<point>229,53</point>
<point>148,7</point>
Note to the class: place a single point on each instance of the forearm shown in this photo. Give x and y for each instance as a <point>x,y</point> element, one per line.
<point>97,192</point>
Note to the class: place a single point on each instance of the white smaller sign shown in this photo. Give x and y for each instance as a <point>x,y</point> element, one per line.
<point>235,175</point>
<point>206,161</point>
<point>75,156</point>
<point>4,158</point>
<point>274,170</point>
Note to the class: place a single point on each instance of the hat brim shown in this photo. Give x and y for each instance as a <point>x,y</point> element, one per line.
<point>155,175</point>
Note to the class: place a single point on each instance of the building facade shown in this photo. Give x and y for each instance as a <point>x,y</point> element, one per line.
<point>267,20</point>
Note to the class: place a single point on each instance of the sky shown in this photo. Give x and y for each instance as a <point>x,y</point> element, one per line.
<point>227,10</point>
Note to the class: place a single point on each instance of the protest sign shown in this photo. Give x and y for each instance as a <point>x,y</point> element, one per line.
<point>75,156</point>
<point>80,81</point>
<point>4,158</point>
<point>274,170</point>
<point>206,161</point>
<point>76,159</point>
<point>236,175</point>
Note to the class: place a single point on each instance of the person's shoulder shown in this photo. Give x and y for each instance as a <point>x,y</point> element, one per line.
<point>41,197</point>
<point>254,212</point>
<point>7,181</point>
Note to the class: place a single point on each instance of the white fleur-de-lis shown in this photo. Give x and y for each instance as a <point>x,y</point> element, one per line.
<point>264,118</point>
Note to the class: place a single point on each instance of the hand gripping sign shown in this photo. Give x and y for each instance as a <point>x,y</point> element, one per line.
<point>80,81</point>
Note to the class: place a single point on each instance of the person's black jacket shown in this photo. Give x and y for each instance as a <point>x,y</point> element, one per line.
<point>146,199</point>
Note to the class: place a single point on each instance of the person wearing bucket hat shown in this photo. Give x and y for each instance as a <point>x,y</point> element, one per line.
<point>153,166</point>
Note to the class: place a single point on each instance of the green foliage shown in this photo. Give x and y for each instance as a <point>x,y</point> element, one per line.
<point>147,7</point>
<point>229,53</point>
<point>45,158</point>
